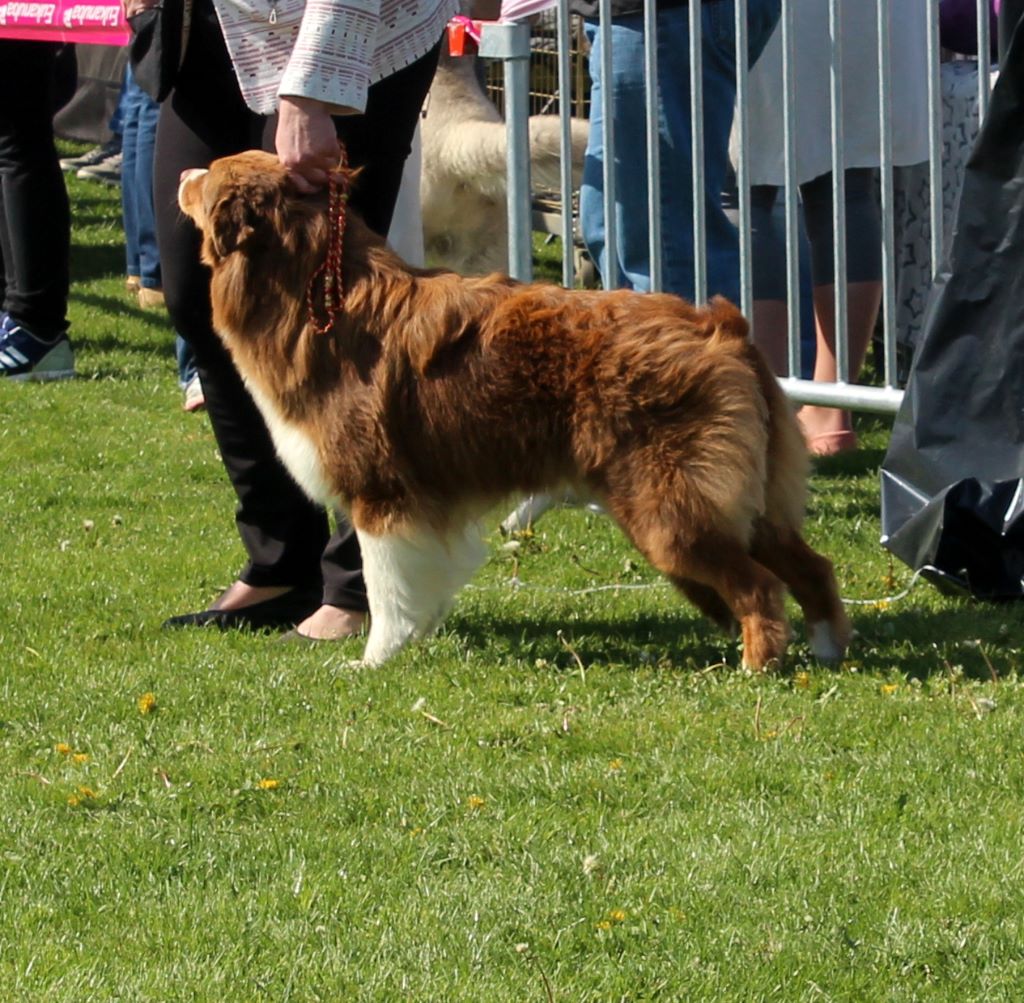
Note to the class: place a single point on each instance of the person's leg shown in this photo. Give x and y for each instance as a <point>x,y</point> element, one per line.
<point>675,153</point>
<point>36,227</point>
<point>592,183</point>
<point>116,123</point>
<point>186,360</point>
<point>130,107</point>
<point>718,77</point>
<point>283,532</point>
<point>150,276</point>
<point>379,141</point>
<point>718,63</point>
<point>628,264</point>
<point>771,314</point>
<point>830,430</point>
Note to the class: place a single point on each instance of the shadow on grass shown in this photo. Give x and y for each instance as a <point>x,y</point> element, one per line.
<point>96,261</point>
<point>686,640</point>
<point>980,638</point>
<point>155,322</point>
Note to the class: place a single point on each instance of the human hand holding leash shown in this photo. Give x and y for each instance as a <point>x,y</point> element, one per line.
<point>306,141</point>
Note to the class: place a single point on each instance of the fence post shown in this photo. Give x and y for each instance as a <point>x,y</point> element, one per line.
<point>511,44</point>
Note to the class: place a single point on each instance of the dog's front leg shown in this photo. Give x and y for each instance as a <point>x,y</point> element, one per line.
<point>411,581</point>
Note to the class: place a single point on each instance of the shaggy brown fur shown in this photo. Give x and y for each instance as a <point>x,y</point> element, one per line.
<point>434,397</point>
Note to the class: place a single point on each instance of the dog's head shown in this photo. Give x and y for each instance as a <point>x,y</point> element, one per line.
<point>246,201</point>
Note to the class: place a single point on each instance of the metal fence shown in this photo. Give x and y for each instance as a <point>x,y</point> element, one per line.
<point>511,44</point>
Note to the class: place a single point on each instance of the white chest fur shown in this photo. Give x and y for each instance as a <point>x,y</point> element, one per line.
<point>297,451</point>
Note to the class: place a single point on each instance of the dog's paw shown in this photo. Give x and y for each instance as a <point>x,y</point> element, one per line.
<point>826,645</point>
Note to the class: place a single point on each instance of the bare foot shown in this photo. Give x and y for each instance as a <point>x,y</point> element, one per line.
<point>239,595</point>
<point>331,623</point>
<point>827,430</point>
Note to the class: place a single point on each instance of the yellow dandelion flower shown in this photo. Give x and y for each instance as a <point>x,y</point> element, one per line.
<point>63,748</point>
<point>889,688</point>
<point>802,680</point>
<point>87,793</point>
<point>268,784</point>
<point>617,915</point>
<point>604,925</point>
<point>475,802</point>
<point>147,703</point>
<point>81,757</point>
<point>74,800</point>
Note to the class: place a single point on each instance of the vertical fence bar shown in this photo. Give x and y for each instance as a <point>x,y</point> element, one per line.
<point>743,163</point>
<point>888,211</point>
<point>511,44</point>
<point>651,96</point>
<point>984,58</point>
<point>565,120</point>
<point>700,257</point>
<point>611,240</point>
<point>935,142</point>
<point>789,161</point>
<point>835,31</point>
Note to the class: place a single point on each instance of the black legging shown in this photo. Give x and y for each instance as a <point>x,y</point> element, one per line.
<point>286,536</point>
<point>863,232</point>
<point>35,218</point>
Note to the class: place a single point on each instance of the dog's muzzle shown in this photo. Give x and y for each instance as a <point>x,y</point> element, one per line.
<point>187,175</point>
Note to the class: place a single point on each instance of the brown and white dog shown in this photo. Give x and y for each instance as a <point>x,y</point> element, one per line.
<point>434,397</point>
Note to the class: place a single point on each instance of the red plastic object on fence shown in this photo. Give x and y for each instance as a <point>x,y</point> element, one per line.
<point>463,35</point>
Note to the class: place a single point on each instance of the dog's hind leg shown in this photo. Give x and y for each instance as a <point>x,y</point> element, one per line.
<point>749,590</point>
<point>411,581</point>
<point>719,565</point>
<point>811,579</point>
<point>710,603</point>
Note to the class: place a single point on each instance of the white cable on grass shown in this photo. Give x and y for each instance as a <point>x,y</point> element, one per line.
<point>516,583</point>
<point>534,506</point>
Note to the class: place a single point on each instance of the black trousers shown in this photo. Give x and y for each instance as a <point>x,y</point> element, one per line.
<point>35,217</point>
<point>287,537</point>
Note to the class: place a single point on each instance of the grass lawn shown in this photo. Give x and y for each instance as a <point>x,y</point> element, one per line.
<point>565,795</point>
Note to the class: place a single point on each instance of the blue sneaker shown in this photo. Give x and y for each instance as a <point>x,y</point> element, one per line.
<point>23,356</point>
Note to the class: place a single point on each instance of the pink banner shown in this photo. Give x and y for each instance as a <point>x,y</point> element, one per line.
<point>100,22</point>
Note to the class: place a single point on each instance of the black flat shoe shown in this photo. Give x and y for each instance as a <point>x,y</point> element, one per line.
<point>282,611</point>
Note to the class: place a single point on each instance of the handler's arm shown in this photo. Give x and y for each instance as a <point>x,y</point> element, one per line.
<point>328,74</point>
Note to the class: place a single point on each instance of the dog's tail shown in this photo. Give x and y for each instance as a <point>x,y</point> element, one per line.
<point>788,465</point>
<point>546,150</point>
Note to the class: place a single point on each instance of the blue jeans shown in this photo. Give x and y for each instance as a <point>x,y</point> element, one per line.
<point>138,132</point>
<point>630,264</point>
<point>138,114</point>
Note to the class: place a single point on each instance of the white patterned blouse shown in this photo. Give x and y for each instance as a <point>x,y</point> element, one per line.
<point>330,50</point>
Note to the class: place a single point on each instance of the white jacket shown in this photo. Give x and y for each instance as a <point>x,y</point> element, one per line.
<point>330,50</point>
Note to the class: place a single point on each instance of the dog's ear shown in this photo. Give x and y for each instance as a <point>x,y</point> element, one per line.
<point>230,225</point>
<point>240,215</point>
